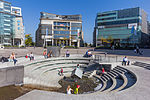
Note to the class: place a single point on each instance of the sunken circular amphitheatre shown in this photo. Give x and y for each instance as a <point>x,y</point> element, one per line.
<point>45,73</point>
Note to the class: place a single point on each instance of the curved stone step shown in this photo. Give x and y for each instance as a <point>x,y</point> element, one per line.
<point>120,68</point>
<point>103,82</point>
<point>56,60</point>
<point>106,77</point>
<point>113,83</point>
<point>104,86</point>
<point>112,75</point>
<point>115,74</point>
<point>124,83</point>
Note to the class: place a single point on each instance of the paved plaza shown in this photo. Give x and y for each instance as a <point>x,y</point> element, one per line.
<point>45,72</point>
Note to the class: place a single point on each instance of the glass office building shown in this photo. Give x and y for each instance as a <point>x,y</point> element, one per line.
<point>125,27</point>
<point>7,24</point>
<point>59,30</point>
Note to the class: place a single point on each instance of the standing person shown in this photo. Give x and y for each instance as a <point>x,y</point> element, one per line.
<point>67,53</point>
<point>45,54</point>
<point>77,89</point>
<point>31,56</point>
<point>69,90</point>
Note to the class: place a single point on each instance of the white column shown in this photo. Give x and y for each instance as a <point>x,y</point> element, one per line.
<point>52,42</point>
<point>70,42</point>
<point>66,42</point>
<point>56,42</point>
<point>78,43</point>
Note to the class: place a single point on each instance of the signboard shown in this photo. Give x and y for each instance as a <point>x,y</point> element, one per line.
<point>48,40</point>
<point>74,40</point>
<point>61,38</point>
<point>1,5</point>
<point>101,27</point>
<point>130,26</point>
<point>46,37</point>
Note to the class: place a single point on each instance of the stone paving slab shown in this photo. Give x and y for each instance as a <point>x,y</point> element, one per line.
<point>140,91</point>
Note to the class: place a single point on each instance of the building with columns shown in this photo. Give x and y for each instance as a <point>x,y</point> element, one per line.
<point>59,30</point>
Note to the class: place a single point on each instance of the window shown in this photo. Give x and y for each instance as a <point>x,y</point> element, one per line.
<point>61,36</point>
<point>75,28</point>
<point>132,12</point>
<point>61,32</point>
<point>62,23</point>
<point>119,22</point>
<point>18,21</point>
<point>100,15</point>
<point>18,28</point>
<point>74,32</point>
<point>107,18</point>
<point>76,24</point>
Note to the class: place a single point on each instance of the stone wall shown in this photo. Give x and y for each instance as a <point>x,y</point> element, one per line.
<point>11,75</point>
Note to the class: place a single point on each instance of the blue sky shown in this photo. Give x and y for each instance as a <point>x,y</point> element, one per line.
<point>87,8</point>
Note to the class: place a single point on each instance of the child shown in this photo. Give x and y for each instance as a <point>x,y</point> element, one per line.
<point>77,89</point>
<point>69,90</point>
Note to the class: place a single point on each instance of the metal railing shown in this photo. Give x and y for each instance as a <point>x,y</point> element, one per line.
<point>105,58</point>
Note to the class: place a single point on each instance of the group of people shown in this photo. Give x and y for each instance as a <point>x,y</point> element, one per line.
<point>70,90</point>
<point>12,58</point>
<point>61,71</point>
<point>47,55</point>
<point>30,56</point>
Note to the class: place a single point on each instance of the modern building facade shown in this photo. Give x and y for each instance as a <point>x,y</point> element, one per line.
<point>19,37</point>
<point>126,27</point>
<point>9,30</point>
<point>59,30</point>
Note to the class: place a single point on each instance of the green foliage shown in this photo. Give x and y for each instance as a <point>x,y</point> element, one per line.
<point>28,40</point>
<point>70,47</point>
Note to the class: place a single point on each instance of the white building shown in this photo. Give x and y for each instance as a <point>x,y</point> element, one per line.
<point>18,38</point>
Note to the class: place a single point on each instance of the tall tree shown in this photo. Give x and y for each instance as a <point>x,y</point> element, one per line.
<point>28,40</point>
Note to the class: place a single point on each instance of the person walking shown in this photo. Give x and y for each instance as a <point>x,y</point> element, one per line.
<point>69,90</point>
